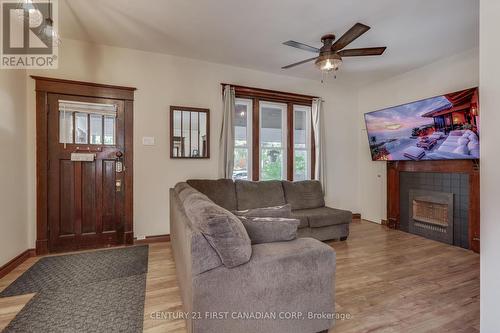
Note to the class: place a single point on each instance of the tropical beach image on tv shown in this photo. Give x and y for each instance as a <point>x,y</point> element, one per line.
<point>437,128</point>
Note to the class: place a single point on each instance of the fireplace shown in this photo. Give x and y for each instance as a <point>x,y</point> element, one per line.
<point>431,215</point>
<point>444,204</point>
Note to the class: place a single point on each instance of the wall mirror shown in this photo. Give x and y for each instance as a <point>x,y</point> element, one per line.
<point>189,132</point>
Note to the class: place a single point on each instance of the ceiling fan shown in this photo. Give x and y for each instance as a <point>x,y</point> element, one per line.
<point>330,55</point>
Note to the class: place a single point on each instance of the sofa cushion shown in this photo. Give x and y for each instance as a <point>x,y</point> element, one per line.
<point>325,216</point>
<point>223,230</point>
<point>284,211</point>
<point>270,229</point>
<point>296,276</point>
<point>301,215</point>
<point>259,194</point>
<point>304,194</point>
<point>220,191</point>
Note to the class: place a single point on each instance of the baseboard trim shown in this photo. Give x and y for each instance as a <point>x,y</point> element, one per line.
<point>11,265</point>
<point>356,216</point>
<point>153,239</point>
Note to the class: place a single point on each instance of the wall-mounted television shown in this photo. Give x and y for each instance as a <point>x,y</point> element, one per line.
<point>444,127</point>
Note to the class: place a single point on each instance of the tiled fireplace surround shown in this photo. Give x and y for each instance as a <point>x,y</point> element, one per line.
<point>456,184</point>
<point>440,180</point>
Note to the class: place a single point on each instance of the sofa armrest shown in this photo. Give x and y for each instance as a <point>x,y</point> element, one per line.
<point>284,277</point>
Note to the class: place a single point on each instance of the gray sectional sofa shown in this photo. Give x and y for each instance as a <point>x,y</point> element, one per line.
<point>286,286</point>
<point>305,197</point>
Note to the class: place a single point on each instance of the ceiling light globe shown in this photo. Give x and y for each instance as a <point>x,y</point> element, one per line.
<point>328,62</point>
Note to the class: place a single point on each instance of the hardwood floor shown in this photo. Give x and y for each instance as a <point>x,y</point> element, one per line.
<point>387,281</point>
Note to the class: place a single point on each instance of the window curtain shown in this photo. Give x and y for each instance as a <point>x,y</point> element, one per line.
<point>319,140</point>
<point>226,141</point>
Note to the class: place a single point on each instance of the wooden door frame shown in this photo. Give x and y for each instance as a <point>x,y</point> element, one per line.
<point>45,86</point>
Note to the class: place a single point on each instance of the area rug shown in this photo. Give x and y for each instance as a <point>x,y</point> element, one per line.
<point>100,291</point>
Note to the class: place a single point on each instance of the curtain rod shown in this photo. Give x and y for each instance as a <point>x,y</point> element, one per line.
<point>269,91</point>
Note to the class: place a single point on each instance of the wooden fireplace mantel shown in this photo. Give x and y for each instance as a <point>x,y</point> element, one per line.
<point>470,167</point>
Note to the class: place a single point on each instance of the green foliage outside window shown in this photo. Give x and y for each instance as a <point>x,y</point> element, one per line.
<point>271,164</point>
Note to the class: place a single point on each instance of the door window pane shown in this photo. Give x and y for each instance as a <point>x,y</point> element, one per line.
<point>272,140</point>
<point>242,139</point>
<point>66,127</point>
<point>109,130</point>
<point>96,129</point>
<point>81,128</point>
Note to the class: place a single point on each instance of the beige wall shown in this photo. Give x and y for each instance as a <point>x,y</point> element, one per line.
<point>447,75</point>
<point>13,185</point>
<point>490,165</point>
<point>164,80</point>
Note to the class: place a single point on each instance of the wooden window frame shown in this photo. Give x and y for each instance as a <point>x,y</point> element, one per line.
<point>290,99</point>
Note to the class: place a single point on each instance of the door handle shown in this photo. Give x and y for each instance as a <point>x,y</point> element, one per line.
<point>118,185</point>
<point>119,162</point>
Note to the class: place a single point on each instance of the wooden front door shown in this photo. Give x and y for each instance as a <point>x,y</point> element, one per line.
<point>85,172</point>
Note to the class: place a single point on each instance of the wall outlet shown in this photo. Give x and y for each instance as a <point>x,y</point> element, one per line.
<point>141,237</point>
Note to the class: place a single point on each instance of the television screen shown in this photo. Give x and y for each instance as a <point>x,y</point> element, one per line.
<point>438,128</point>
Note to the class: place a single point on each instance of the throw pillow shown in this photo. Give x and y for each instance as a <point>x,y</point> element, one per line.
<point>229,239</point>
<point>276,211</point>
<point>270,229</point>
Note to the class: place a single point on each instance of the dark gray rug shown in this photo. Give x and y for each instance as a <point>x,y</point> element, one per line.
<point>101,291</point>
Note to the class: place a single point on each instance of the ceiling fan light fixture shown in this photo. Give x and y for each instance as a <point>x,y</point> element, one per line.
<point>328,62</point>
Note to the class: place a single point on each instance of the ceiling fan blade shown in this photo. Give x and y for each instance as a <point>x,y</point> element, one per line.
<point>367,51</point>
<point>357,30</point>
<point>298,63</point>
<point>301,46</point>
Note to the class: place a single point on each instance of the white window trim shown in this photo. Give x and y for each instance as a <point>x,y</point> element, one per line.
<point>307,110</point>
<point>249,146</point>
<point>284,132</point>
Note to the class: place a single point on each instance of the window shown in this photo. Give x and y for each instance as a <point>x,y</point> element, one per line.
<point>86,123</point>
<point>273,135</point>
<point>301,142</point>
<point>272,141</point>
<point>242,139</point>
<point>96,129</point>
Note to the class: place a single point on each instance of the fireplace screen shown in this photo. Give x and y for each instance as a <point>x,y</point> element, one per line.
<point>431,215</point>
<point>430,212</point>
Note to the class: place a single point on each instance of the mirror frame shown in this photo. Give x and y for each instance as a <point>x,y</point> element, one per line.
<point>189,109</point>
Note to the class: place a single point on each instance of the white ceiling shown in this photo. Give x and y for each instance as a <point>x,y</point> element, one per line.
<point>249,33</point>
